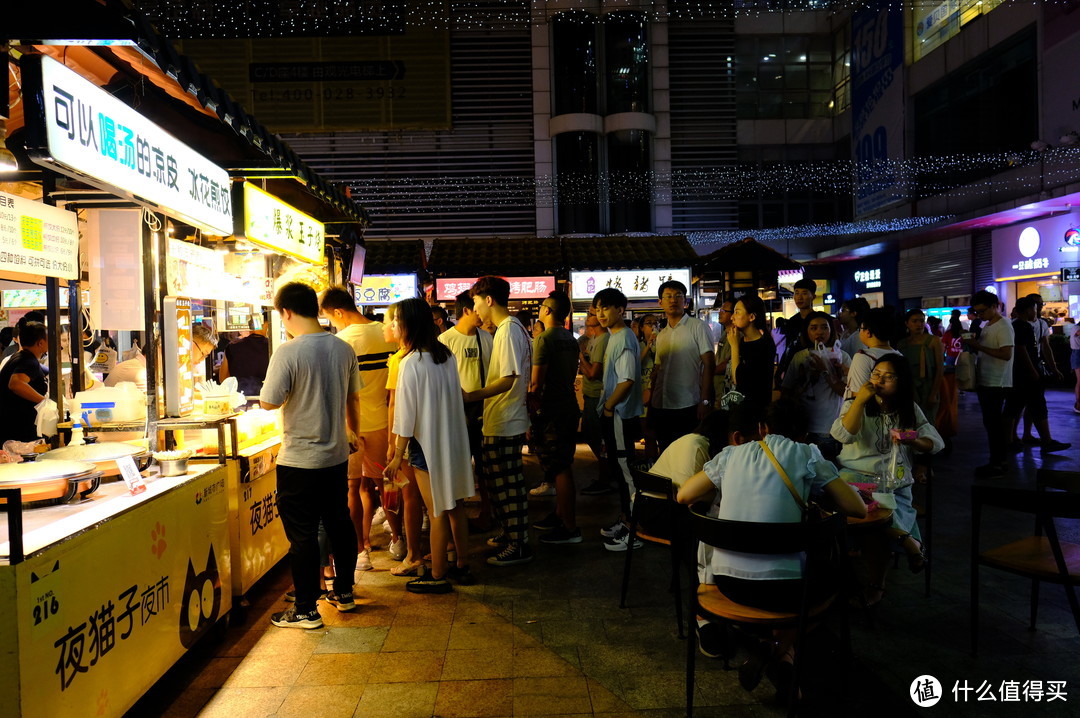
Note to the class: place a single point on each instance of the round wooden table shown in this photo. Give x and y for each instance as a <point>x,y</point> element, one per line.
<point>877,518</point>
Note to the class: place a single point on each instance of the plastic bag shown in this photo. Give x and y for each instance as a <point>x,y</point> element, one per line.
<point>47,416</point>
<point>965,371</point>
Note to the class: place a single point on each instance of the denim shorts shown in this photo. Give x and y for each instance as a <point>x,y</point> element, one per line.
<point>415,455</point>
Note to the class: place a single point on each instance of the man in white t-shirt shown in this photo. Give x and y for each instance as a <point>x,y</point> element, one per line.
<point>365,474</point>
<point>505,419</point>
<point>472,348</point>
<point>1045,359</point>
<point>682,377</point>
<point>994,374</point>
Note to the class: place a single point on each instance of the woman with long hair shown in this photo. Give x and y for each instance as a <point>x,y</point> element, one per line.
<point>429,421</point>
<point>816,379</point>
<point>880,423</point>
<point>646,334</point>
<point>926,358</point>
<point>753,352</point>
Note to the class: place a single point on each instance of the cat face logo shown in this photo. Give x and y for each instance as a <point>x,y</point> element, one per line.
<point>200,601</point>
<point>198,498</point>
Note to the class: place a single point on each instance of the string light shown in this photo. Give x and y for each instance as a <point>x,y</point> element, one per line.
<point>813,231</point>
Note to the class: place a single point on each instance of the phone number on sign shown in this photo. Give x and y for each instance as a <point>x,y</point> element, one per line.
<point>330,94</point>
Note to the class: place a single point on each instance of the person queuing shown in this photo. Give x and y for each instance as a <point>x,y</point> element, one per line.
<point>23,385</point>
<point>439,316</point>
<point>1046,366</point>
<point>682,377</point>
<point>555,416</point>
<point>755,481</point>
<point>804,294</point>
<point>472,349</point>
<point>505,420</point>
<point>620,408</point>
<point>852,314</point>
<point>1028,393</point>
<point>816,379</point>
<point>881,422</point>
<point>313,378</point>
<point>752,351</point>
<point>593,346</point>
<point>926,358</point>
<point>722,382</point>
<point>411,501</point>
<point>948,417</point>
<point>365,473</point>
<point>993,376</point>
<point>647,334</point>
<point>429,421</point>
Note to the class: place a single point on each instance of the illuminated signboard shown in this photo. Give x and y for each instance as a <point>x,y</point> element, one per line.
<point>1034,249</point>
<point>88,132</point>
<point>269,222</point>
<point>385,289</point>
<point>870,277</point>
<point>520,287</point>
<point>634,283</point>
<point>38,239</point>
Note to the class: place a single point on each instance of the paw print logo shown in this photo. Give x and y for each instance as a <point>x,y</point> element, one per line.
<point>103,703</point>
<point>157,540</point>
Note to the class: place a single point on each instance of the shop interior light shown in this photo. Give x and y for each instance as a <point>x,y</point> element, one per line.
<point>8,162</point>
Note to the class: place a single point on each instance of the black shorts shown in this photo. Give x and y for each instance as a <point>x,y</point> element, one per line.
<point>555,435</point>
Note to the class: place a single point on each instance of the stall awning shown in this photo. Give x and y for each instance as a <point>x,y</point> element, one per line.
<point>394,257</point>
<point>745,256</point>
<point>517,256</point>
<point>600,253</point>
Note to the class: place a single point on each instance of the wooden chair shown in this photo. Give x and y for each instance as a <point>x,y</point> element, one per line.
<point>820,542</point>
<point>649,487</point>
<point>1040,557</point>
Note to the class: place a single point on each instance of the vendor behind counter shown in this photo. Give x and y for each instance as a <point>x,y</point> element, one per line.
<point>246,359</point>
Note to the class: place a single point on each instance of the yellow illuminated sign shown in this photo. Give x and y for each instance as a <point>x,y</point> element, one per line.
<point>271,223</point>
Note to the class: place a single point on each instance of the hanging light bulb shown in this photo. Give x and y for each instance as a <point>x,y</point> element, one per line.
<point>8,163</point>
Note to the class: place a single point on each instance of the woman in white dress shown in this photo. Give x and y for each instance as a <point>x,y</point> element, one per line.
<point>429,421</point>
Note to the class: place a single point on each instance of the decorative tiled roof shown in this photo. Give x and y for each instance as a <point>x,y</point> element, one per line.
<point>600,253</point>
<point>747,255</point>
<point>518,256</point>
<point>394,257</point>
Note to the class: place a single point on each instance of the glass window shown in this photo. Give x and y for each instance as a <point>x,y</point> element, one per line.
<point>577,182</point>
<point>629,189</point>
<point>574,58</point>
<point>626,58</point>
<point>775,75</point>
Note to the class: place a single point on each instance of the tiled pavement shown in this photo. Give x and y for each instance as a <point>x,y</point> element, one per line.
<point>549,638</point>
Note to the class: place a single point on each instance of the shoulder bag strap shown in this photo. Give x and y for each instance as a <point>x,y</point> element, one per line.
<point>783,474</point>
<point>480,358</point>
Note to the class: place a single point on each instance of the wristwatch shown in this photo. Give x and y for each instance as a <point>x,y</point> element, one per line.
<point>706,402</point>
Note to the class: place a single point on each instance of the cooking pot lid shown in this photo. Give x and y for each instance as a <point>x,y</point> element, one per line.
<point>42,470</point>
<point>101,451</point>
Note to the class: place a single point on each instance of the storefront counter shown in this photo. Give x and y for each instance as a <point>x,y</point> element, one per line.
<point>112,591</point>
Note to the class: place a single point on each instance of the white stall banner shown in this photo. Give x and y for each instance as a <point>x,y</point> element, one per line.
<point>38,239</point>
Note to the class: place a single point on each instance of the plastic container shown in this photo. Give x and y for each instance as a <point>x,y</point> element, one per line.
<point>76,435</point>
<point>128,403</point>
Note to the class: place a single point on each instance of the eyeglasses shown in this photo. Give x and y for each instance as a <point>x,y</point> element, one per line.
<point>886,378</point>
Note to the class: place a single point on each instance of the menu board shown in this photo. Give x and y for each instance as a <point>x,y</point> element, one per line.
<point>385,289</point>
<point>38,239</point>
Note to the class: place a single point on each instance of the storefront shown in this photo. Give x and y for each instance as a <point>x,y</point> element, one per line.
<point>1041,258</point>
<point>389,272</point>
<point>874,279</point>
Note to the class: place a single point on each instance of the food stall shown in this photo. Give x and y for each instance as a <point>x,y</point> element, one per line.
<point>528,264</point>
<point>391,271</point>
<point>747,266</point>
<point>118,580</point>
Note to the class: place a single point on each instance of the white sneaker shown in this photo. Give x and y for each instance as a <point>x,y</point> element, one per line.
<point>363,563</point>
<point>379,518</point>
<point>544,489</point>
<point>397,549</point>
<point>614,530</point>
<point>621,541</point>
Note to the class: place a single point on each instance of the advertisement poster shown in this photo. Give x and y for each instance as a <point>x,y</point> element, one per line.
<point>520,287</point>
<point>105,614</point>
<point>383,289</point>
<point>38,239</point>
<point>634,283</point>
<point>877,106</point>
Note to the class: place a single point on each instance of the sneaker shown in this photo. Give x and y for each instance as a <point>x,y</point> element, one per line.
<point>544,489</point>
<point>561,535</point>
<point>512,555</point>
<point>363,563</point>
<point>1052,445</point>
<point>499,540</point>
<point>621,542</point>
<point>461,576</point>
<point>597,488</point>
<point>428,584</point>
<point>289,618</point>
<point>614,530</point>
<point>397,549</point>
<point>290,595</point>
<point>379,518</point>
<point>341,601</point>
<point>989,471</point>
<point>549,522</point>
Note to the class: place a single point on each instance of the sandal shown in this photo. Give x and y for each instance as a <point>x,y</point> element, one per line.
<point>407,569</point>
<point>916,560</point>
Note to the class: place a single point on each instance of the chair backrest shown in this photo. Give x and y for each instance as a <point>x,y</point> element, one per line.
<point>765,538</point>
<point>1045,504</point>
<point>654,485</point>
<point>1053,479</point>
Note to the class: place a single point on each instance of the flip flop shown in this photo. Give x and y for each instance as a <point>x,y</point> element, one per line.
<point>407,569</point>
